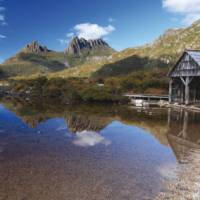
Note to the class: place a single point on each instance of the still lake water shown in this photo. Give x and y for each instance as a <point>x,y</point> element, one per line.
<point>88,152</point>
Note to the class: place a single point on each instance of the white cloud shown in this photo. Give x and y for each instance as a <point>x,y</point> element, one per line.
<point>87,31</point>
<point>2,17</point>
<point>182,6</point>
<point>2,8</point>
<point>189,9</point>
<point>93,31</point>
<point>190,18</point>
<point>2,36</point>
<point>89,139</point>
<point>70,35</point>
<point>168,170</point>
<point>4,23</point>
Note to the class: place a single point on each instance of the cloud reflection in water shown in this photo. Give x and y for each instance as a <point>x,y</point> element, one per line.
<point>90,138</point>
<point>168,171</point>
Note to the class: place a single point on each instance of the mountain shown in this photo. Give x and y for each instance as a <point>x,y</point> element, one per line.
<point>81,51</point>
<point>161,54</point>
<point>34,59</point>
<point>35,47</point>
<point>80,47</point>
<point>85,58</point>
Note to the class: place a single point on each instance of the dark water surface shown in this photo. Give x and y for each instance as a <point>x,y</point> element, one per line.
<point>88,152</point>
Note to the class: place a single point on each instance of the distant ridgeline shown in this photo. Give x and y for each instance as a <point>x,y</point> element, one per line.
<point>95,58</point>
<point>36,59</point>
<point>81,47</point>
<point>33,59</point>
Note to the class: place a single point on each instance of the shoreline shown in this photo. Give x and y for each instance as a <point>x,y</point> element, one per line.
<point>187,184</point>
<point>189,108</point>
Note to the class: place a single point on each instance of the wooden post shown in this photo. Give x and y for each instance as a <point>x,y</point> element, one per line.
<point>185,124</point>
<point>195,94</point>
<point>183,94</point>
<point>187,82</point>
<point>169,118</point>
<point>187,90</point>
<point>170,90</point>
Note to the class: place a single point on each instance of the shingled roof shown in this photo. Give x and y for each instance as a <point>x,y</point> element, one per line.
<point>194,54</point>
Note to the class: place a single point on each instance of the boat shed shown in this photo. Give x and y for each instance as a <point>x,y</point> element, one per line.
<point>184,86</point>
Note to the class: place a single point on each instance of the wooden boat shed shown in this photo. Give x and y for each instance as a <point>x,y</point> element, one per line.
<point>184,86</point>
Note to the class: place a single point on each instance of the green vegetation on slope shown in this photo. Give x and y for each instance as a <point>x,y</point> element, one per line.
<point>162,53</point>
<point>27,64</point>
<point>150,81</point>
<point>143,69</point>
<point>127,66</point>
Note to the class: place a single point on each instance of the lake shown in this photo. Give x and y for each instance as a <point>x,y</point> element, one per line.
<point>91,152</point>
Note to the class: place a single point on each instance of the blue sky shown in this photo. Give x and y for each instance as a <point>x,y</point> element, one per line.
<point>122,23</point>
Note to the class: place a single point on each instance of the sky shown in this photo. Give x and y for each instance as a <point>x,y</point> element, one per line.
<point>122,23</point>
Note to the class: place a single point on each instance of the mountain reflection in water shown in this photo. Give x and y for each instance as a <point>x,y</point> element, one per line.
<point>91,151</point>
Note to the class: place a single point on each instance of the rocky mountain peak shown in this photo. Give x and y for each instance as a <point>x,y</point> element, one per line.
<point>98,42</point>
<point>35,47</point>
<point>78,46</point>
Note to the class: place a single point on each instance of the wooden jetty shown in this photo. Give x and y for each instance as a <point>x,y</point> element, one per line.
<point>146,99</point>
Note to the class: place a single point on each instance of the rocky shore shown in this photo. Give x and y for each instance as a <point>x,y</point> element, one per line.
<point>187,184</point>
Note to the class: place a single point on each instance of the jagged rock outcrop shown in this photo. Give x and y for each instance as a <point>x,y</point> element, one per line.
<point>34,59</point>
<point>35,47</point>
<point>80,46</point>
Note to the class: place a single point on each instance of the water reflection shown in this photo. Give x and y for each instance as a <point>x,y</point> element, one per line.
<point>177,128</point>
<point>183,133</point>
<point>90,138</point>
<point>92,117</point>
<point>89,151</point>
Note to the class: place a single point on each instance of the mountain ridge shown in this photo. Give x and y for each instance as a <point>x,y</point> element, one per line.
<point>162,53</point>
<point>80,46</point>
<point>87,59</point>
<point>35,47</point>
<point>35,58</point>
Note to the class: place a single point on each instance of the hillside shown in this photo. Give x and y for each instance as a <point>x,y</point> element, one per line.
<point>33,59</point>
<point>95,58</point>
<point>162,53</point>
<point>36,60</point>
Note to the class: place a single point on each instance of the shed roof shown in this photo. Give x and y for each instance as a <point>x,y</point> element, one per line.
<point>195,55</point>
